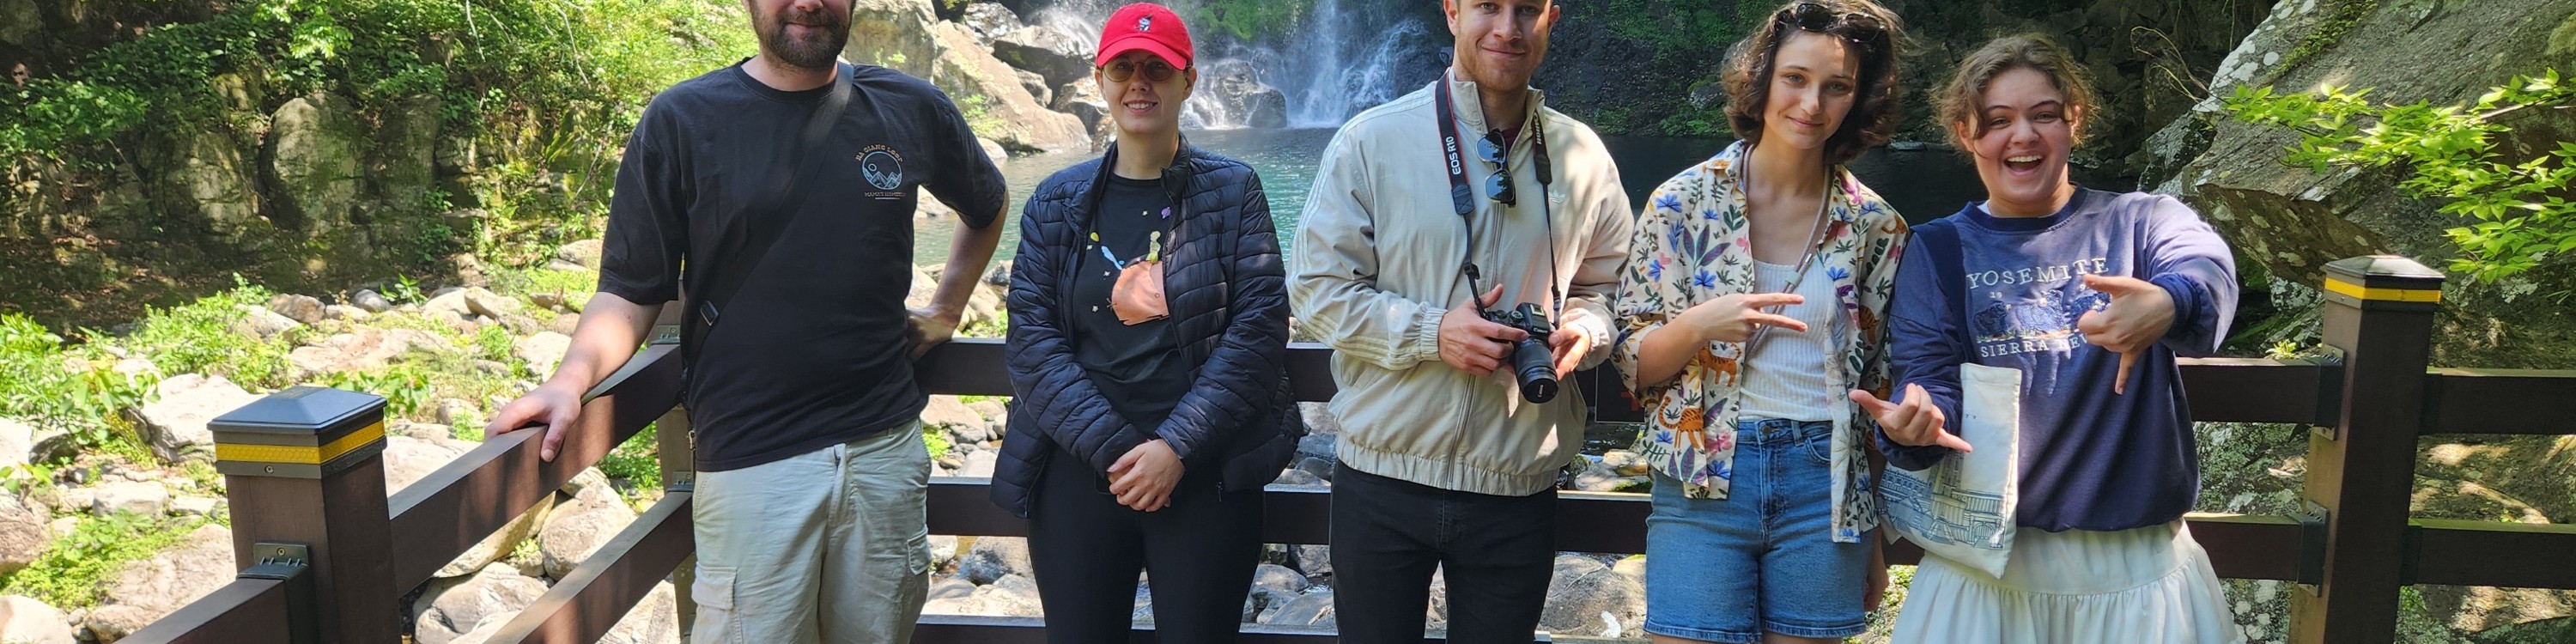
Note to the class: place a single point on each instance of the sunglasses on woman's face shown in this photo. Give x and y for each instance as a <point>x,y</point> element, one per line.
<point>1860,28</point>
<point>1155,71</point>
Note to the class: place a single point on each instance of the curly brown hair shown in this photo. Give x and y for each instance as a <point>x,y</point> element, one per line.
<point>1960,98</point>
<point>1869,31</point>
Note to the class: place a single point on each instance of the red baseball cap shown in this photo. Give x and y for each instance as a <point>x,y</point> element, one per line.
<point>1149,27</point>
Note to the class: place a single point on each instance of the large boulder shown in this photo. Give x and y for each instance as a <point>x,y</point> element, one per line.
<point>407,460</point>
<point>451,607</point>
<point>907,36</point>
<point>314,146</point>
<point>220,183</point>
<point>1082,100</point>
<point>1231,94</point>
<point>151,588</point>
<point>27,620</point>
<point>576,530</point>
<point>2291,221</point>
<point>1060,57</point>
<point>174,426</point>
<point>23,535</point>
<point>992,558</point>
<point>988,20</point>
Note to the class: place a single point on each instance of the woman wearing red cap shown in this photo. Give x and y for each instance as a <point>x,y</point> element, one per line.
<point>1149,331</point>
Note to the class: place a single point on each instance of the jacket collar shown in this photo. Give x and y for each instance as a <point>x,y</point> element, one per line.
<point>1471,109</point>
<point>1176,177</point>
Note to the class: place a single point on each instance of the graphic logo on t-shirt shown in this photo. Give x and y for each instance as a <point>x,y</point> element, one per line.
<point>882,167</point>
<point>2039,314</point>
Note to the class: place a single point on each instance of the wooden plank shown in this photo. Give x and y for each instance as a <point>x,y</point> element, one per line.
<point>2498,401</point>
<point>964,367</point>
<point>450,510</point>
<point>595,595</point>
<point>2360,473</point>
<point>247,610</point>
<point>2491,553</point>
<point>2240,390</point>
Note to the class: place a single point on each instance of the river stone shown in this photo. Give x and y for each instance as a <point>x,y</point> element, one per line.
<point>584,253</point>
<point>1315,608</point>
<point>950,588</point>
<point>992,558</point>
<point>360,349</point>
<point>450,607</point>
<point>200,564</point>
<point>345,312</point>
<point>1081,99</point>
<point>1316,446</point>
<point>370,300</point>
<point>259,321</point>
<point>1235,88</point>
<point>655,620</point>
<point>1056,56</point>
<point>543,351</point>
<point>408,459</point>
<point>174,426</point>
<point>1011,596</point>
<point>990,19</point>
<point>999,274</point>
<point>908,36</point>
<point>574,532</point>
<point>17,442</point>
<point>1320,420</point>
<point>27,620</point>
<point>1582,590</point>
<point>23,534</point>
<point>486,303</point>
<point>1276,585</point>
<point>947,413</point>
<point>148,499</point>
<point>301,308</point>
<point>449,303</point>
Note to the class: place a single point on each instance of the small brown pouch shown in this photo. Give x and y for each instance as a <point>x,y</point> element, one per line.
<point>1138,295</point>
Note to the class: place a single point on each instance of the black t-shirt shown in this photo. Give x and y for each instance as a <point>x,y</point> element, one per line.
<point>1138,368</point>
<point>813,350</point>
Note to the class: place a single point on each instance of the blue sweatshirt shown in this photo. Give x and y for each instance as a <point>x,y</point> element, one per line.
<point>2090,459</point>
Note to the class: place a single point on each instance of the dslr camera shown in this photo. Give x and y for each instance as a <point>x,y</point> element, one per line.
<point>1533,365</point>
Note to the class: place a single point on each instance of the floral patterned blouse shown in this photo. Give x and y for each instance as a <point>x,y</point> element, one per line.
<point>1693,244</point>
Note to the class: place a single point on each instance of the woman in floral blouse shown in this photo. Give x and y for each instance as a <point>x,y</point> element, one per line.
<point>1752,303</point>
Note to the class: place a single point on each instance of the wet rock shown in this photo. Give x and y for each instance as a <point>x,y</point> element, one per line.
<point>946,412</point>
<point>991,558</point>
<point>1057,56</point>
<point>908,36</point>
<point>371,301</point>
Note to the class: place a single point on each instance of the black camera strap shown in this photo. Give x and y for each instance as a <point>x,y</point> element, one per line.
<point>1463,199</point>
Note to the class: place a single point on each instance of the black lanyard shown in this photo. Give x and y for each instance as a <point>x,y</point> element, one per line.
<point>1463,199</point>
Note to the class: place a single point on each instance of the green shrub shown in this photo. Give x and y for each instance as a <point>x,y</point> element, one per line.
<point>638,460</point>
<point>69,389</point>
<point>72,572</point>
<point>200,337</point>
<point>2448,153</point>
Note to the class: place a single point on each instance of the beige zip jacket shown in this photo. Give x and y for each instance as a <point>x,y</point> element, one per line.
<point>1378,259</point>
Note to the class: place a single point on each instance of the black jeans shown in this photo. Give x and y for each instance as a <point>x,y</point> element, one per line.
<point>1495,553</point>
<point>1086,549</point>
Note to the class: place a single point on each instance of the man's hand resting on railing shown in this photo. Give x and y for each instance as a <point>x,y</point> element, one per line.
<point>611,327</point>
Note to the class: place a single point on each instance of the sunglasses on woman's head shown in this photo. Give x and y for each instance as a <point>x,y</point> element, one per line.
<point>1861,28</point>
<point>1155,71</point>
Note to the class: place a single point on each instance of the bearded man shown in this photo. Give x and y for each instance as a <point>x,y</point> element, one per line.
<point>781,190</point>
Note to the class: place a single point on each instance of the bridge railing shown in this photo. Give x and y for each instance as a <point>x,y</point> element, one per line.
<point>325,557</point>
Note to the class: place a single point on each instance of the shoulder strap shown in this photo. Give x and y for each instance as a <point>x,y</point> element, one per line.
<point>1940,242</point>
<point>748,241</point>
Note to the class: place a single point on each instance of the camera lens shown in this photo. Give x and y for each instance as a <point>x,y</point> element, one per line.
<point>1533,365</point>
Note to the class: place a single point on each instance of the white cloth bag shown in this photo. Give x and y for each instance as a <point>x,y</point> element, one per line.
<point>1961,507</point>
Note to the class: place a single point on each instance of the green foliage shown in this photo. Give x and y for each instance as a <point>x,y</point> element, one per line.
<point>2522,217</point>
<point>638,460</point>
<point>75,390</point>
<point>1248,20</point>
<point>199,337</point>
<point>937,441</point>
<point>72,572</point>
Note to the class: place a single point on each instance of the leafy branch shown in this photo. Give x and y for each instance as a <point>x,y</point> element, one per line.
<point>2521,217</point>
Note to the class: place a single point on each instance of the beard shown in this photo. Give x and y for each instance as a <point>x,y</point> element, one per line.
<point>810,50</point>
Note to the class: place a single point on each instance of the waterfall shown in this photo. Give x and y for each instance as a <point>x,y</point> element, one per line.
<point>1343,56</point>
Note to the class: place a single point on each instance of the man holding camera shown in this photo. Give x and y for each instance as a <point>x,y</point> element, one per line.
<point>1442,230</point>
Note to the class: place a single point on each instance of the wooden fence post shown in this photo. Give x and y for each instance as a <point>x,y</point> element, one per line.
<point>304,473</point>
<point>2379,314</point>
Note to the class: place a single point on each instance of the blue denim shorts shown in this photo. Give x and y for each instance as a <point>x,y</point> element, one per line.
<point>1763,559</point>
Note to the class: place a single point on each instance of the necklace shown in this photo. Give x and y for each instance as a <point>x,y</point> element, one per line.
<point>1815,242</point>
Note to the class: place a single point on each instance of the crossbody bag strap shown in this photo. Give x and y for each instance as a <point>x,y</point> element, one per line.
<point>748,241</point>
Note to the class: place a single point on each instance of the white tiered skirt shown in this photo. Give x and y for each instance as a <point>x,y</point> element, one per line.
<point>2150,585</point>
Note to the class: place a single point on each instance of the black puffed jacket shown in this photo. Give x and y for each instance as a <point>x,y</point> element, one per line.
<point>1228,300</point>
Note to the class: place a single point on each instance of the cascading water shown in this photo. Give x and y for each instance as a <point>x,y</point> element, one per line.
<point>1341,57</point>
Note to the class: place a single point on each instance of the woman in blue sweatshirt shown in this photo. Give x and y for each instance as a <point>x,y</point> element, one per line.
<point>2090,294</point>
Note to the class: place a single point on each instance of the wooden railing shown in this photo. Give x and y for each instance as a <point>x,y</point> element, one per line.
<point>2366,403</point>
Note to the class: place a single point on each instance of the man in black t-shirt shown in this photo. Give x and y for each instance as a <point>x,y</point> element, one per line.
<point>809,501</point>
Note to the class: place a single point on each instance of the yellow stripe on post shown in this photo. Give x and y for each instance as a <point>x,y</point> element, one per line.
<point>300,455</point>
<point>2359,292</point>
